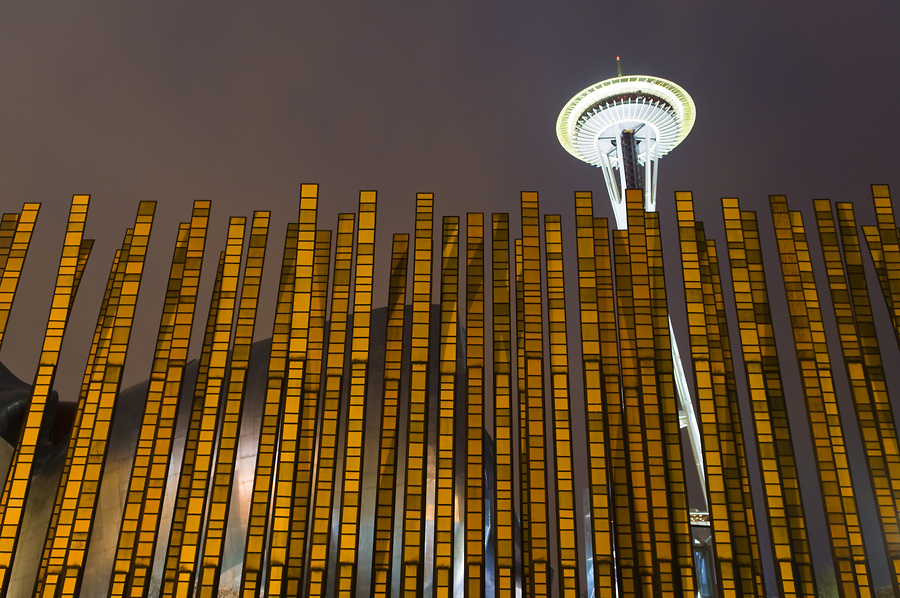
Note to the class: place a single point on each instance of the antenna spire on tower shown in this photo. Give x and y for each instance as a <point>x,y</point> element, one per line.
<point>619,65</point>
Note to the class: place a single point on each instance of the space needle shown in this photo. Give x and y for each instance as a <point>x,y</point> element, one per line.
<point>624,126</point>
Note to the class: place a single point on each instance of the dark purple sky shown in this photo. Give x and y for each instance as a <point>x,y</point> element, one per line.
<point>241,102</point>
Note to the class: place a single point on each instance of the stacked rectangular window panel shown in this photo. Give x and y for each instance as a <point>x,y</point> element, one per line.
<point>737,562</point>
<point>413,555</point>
<point>863,364</point>
<point>777,464</point>
<point>74,256</point>
<point>383,559</point>
<point>474,455</point>
<point>490,502</point>
<point>592,356</point>
<point>504,427</point>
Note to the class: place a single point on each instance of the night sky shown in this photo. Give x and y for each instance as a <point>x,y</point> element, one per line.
<point>241,102</point>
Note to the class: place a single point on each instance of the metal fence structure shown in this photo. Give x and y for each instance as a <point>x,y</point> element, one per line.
<point>519,437</point>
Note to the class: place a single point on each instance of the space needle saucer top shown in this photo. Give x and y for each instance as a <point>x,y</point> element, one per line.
<point>656,109</point>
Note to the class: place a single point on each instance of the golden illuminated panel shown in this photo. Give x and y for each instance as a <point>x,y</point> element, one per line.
<point>473,456</point>
<point>537,495</point>
<point>231,411</point>
<point>96,360</point>
<point>7,231</point>
<point>633,456</point>
<point>618,475</point>
<point>781,488</point>
<point>390,421</point>
<point>631,446</point>
<point>736,572</point>
<point>143,503</point>
<point>643,418</point>
<point>417,427</point>
<point>78,497</point>
<point>312,378</point>
<point>18,479</point>
<point>675,511</point>
<point>326,470</point>
<point>746,542</point>
<point>258,523</point>
<point>884,244</point>
<point>851,564</point>
<point>290,506</point>
<point>865,372</point>
<point>193,497</point>
<point>876,252</point>
<point>445,499</point>
<point>179,512</point>
<point>308,368</point>
<point>15,236</point>
<point>570,572</point>
<point>504,581</point>
<point>351,496</point>
<point>875,376</point>
<point>85,383</point>
<point>601,532</point>
<point>101,334</point>
<point>524,540</point>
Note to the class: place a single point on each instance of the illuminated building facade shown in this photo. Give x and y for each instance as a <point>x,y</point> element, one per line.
<point>497,428</point>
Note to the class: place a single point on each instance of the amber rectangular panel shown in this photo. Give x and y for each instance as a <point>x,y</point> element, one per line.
<point>191,505</point>
<point>627,424</point>
<point>597,443</point>
<point>85,383</point>
<point>327,464</point>
<point>212,548</point>
<point>863,365</point>
<point>618,474</point>
<point>18,479</point>
<point>523,542</point>
<point>383,552</point>
<point>143,503</point>
<point>16,237</point>
<point>96,358</point>
<point>266,455</point>
<point>784,507</point>
<point>643,422</point>
<point>412,571</point>
<point>179,512</point>
<point>851,564</point>
<point>570,571</point>
<point>503,407</point>
<point>306,368</point>
<point>101,328</point>
<point>745,540</point>
<point>446,440</point>
<point>537,495</point>
<point>77,498</point>
<point>884,243</point>
<point>676,512</point>
<point>351,496</point>
<point>473,456</point>
<point>736,561</point>
<point>7,231</point>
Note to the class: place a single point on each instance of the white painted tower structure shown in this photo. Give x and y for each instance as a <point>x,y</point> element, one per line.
<point>624,126</point>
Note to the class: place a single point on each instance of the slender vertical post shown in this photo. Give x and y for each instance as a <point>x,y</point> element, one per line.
<point>417,427</point>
